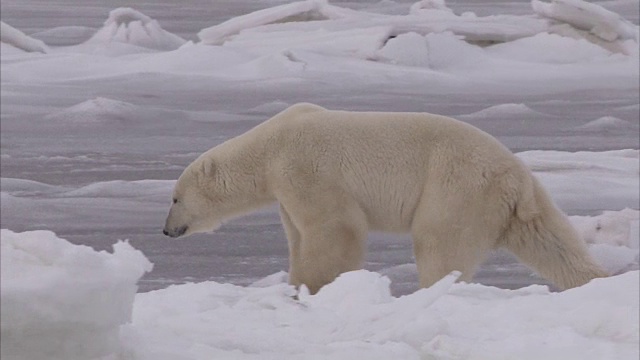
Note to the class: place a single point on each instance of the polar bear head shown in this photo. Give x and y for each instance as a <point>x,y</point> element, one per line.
<point>196,202</point>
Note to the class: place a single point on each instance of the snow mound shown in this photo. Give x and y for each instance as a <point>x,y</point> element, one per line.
<point>96,110</point>
<point>285,64</point>
<point>124,189</point>
<point>429,6</point>
<point>357,317</point>
<point>549,48</point>
<point>102,111</point>
<point>309,10</point>
<point>12,36</point>
<point>65,35</point>
<point>22,187</point>
<point>583,15</point>
<point>64,301</point>
<point>409,49</point>
<point>607,123</point>
<point>126,25</point>
<point>504,111</point>
<point>438,51</point>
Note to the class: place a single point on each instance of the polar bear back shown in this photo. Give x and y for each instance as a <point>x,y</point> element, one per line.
<point>381,159</point>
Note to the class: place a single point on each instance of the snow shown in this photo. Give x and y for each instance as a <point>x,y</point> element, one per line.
<point>64,301</point>
<point>587,16</point>
<point>607,124</point>
<point>129,26</point>
<point>356,315</point>
<point>576,180</point>
<point>14,37</point>
<point>99,122</point>
<point>308,10</point>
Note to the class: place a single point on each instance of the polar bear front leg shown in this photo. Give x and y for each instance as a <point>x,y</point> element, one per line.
<point>323,247</point>
<point>293,239</point>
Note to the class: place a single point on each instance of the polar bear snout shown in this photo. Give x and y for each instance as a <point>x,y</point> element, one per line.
<point>175,232</point>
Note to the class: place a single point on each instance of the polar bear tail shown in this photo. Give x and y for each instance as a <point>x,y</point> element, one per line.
<point>543,238</point>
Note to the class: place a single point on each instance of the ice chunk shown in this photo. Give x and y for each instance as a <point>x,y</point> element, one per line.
<point>611,227</point>
<point>296,11</point>
<point>126,25</point>
<point>588,16</point>
<point>12,36</point>
<point>64,301</point>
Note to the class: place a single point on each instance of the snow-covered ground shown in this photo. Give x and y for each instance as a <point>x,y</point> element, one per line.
<point>102,108</point>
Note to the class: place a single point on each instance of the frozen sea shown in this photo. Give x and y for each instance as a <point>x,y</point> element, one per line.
<point>103,104</point>
<point>92,137</point>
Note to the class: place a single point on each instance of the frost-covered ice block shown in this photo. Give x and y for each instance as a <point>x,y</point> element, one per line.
<point>12,36</point>
<point>64,301</point>
<point>129,26</point>
<point>302,10</point>
<point>597,20</point>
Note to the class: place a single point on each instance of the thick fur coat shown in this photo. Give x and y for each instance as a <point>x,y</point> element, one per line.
<point>339,174</point>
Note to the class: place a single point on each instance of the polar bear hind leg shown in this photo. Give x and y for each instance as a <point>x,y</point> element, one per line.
<point>453,230</point>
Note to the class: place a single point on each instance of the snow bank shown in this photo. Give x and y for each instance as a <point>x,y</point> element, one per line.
<point>64,301</point>
<point>357,317</point>
<point>126,25</point>
<point>12,36</point>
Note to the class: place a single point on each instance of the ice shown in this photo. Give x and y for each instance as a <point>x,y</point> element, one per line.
<point>608,124</point>
<point>612,227</point>
<point>94,134</point>
<point>308,10</point>
<point>129,26</point>
<point>583,15</point>
<point>406,49</point>
<point>504,110</point>
<point>549,48</point>
<point>20,40</point>
<point>599,178</point>
<point>65,35</point>
<point>357,316</point>
<point>64,301</point>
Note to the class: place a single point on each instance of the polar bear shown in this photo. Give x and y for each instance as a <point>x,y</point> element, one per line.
<point>339,174</point>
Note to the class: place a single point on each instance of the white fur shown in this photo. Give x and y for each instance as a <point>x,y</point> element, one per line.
<point>339,174</point>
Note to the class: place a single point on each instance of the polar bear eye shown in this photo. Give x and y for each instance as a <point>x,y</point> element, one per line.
<point>175,200</point>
